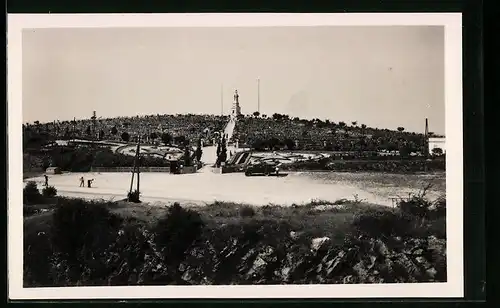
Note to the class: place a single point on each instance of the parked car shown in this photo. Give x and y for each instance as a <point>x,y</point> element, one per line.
<point>262,168</point>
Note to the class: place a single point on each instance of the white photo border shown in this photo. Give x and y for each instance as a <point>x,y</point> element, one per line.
<point>452,22</point>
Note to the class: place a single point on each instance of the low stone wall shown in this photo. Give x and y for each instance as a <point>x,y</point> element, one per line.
<point>227,169</point>
<point>130,169</point>
<point>188,170</point>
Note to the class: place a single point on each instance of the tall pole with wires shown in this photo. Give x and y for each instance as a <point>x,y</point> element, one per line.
<point>221,99</point>
<point>258,95</point>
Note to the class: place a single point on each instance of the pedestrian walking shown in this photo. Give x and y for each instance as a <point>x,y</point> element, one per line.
<point>46,180</point>
<point>82,182</point>
<point>89,183</point>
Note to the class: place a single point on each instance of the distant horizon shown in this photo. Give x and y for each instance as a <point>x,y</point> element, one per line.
<point>381,76</point>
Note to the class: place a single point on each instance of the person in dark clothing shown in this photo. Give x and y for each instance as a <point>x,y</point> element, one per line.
<point>89,183</point>
<point>82,182</point>
<point>46,180</point>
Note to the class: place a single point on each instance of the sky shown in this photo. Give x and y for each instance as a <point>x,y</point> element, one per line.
<point>381,76</point>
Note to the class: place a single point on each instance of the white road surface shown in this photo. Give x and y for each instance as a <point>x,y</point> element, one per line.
<point>206,187</point>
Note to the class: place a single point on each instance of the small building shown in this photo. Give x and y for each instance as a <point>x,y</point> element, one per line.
<point>437,142</point>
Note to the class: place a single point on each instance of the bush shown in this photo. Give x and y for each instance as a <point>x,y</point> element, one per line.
<point>176,232</point>
<point>49,191</point>
<point>439,208</point>
<point>82,230</point>
<point>31,194</point>
<point>134,196</point>
<point>382,223</point>
<point>247,211</point>
<point>417,206</point>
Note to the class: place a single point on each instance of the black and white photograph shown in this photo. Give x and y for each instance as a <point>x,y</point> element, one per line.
<point>209,155</point>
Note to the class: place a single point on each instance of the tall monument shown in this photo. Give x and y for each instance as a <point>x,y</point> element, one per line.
<point>236,110</point>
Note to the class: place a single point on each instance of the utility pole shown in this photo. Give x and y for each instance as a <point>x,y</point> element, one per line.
<point>222,100</point>
<point>94,137</point>
<point>138,164</point>
<point>426,138</point>
<point>426,143</point>
<point>258,95</point>
<point>136,168</point>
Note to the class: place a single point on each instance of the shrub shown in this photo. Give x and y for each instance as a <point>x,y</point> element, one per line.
<point>417,206</point>
<point>49,191</point>
<point>82,230</point>
<point>383,223</point>
<point>439,208</point>
<point>176,232</point>
<point>134,196</point>
<point>31,194</point>
<point>247,211</point>
<point>30,210</point>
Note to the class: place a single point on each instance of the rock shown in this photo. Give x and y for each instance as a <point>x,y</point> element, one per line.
<point>436,245</point>
<point>360,270</point>
<point>371,263</point>
<point>348,279</point>
<point>261,261</point>
<point>431,272</point>
<point>405,264</point>
<point>418,252</point>
<point>258,266</point>
<point>317,243</point>
<point>335,264</point>
<point>423,262</point>
<point>285,273</point>
<point>187,276</point>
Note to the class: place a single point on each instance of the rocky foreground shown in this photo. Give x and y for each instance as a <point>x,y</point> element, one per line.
<point>223,256</point>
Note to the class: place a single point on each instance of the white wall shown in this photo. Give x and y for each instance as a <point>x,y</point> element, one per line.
<point>437,143</point>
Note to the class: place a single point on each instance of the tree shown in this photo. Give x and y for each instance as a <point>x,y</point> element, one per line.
<point>401,129</point>
<point>153,136</point>
<point>199,151</point>
<point>258,144</point>
<point>125,136</point>
<point>218,149</point>
<point>437,151</point>
<point>264,116</point>
<point>354,123</point>
<point>289,143</point>
<point>342,124</point>
<point>88,131</point>
<point>187,157</point>
<point>256,114</point>
<point>67,133</point>
<point>114,130</point>
<point>223,153</point>
<point>180,140</point>
<point>274,143</point>
<point>166,138</point>
<point>101,134</point>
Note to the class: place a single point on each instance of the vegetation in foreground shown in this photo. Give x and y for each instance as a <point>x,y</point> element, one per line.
<point>72,242</point>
